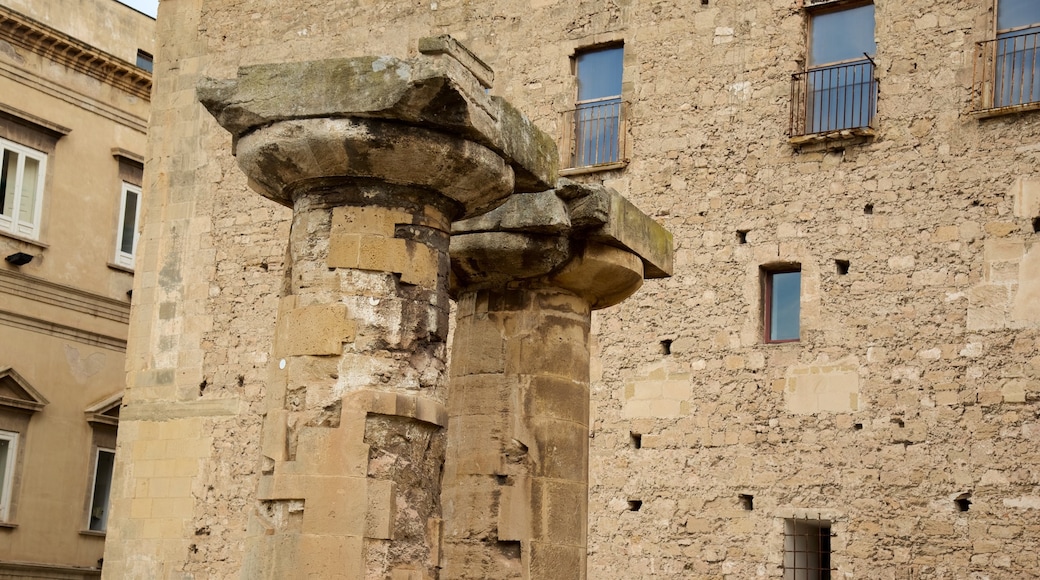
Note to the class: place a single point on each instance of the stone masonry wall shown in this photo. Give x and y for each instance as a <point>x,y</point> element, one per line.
<point>916,381</point>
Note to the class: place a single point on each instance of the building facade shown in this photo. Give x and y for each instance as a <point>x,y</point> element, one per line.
<point>841,378</point>
<point>73,115</point>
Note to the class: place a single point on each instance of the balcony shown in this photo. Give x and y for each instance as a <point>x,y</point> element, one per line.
<point>594,136</point>
<point>1006,75</point>
<point>833,102</point>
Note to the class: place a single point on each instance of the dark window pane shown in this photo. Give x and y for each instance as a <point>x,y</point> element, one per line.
<point>126,237</point>
<point>102,487</point>
<point>599,73</point>
<point>1017,13</point>
<point>785,305</point>
<point>144,60</point>
<point>842,35</point>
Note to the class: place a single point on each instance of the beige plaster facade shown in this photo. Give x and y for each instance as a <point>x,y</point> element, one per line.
<point>73,113</point>
<point>904,418</point>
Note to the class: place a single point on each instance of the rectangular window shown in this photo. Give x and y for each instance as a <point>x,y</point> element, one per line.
<point>596,118</point>
<point>144,60</point>
<point>1016,81</point>
<point>782,295</point>
<point>21,189</point>
<point>103,466</point>
<point>127,235</point>
<point>807,550</point>
<point>838,91</point>
<point>8,447</point>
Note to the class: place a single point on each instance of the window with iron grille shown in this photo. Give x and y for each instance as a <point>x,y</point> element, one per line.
<point>807,549</point>
<point>1007,68</point>
<point>595,131</point>
<point>837,92</point>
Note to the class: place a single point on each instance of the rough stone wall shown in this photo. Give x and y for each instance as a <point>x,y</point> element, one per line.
<point>934,329</point>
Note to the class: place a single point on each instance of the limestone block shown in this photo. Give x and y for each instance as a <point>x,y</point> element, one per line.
<point>550,560</point>
<point>333,506</point>
<point>822,388</point>
<point>372,220</point>
<point>514,511</point>
<point>315,330</point>
<point>555,397</point>
<point>603,275</point>
<point>560,449</point>
<point>1025,196</point>
<point>273,444</point>
<point>987,307</point>
<point>331,557</point>
<point>381,509</point>
<point>542,212</point>
<point>1025,306</point>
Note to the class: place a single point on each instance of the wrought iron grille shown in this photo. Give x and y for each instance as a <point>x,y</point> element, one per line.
<point>594,133</point>
<point>833,98</point>
<point>1007,72</point>
<point>807,550</point>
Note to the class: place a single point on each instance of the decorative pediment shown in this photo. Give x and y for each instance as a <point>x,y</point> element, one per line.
<point>106,411</point>
<point>16,393</point>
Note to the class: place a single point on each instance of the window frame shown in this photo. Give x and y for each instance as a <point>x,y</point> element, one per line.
<point>7,482</point>
<point>13,225</point>
<point>767,274</point>
<point>124,259</point>
<point>573,157</point>
<point>806,121</point>
<point>823,555</point>
<point>91,505</point>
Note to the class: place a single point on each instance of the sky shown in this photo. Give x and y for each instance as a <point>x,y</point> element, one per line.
<point>147,6</point>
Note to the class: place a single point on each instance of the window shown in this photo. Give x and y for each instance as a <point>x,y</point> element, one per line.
<point>782,290</point>
<point>1016,81</point>
<point>838,92</point>
<point>8,448</point>
<point>596,118</point>
<point>144,60</point>
<point>807,550</point>
<point>127,235</point>
<point>104,461</point>
<point>21,189</point>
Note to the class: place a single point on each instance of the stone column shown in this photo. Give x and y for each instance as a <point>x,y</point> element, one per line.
<point>527,278</point>
<point>376,157</point>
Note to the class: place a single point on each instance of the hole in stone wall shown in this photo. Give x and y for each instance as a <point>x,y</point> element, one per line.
<point>975,203</point>
<point>704,2</point>
<point>509,549</point>
<point>203,385</point>
<point>842,267</point>
<point>501,479</point>
<point>666,346</point>
<point>868,209</point>
<point>747,501</point>
<point>857,426</point>
<point>742,236</point>
<point>898,422</point>
<point>634,505</point>
<point>962,502</point>
<point>1036,225</point>
<point>637,440</point>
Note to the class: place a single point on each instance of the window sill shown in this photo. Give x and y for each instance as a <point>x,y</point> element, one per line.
<point>8,525</point>
<point>1008,110</point>
<point>115,266</point>
<point>593,168</point>
<point>856,134</point>
<point>25,240</point>
<point>92,533</point>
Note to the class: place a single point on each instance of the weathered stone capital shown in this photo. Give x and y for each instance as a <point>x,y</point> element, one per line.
<point>289,156</point>
<point>587,239</point>
<point>443,90</point>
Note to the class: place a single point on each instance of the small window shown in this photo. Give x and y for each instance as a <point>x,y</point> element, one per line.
<point>807,550</point>
<point>21,189</point>
<point>144,60</point>
<point>129,214</point>
<point>596,118</point>
<point>8,448</point>
<point>104,462</point>
<point>838,91</point>
<point>782,290</point>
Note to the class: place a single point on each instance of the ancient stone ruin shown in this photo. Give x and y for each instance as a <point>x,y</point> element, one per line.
<point>379,462</point>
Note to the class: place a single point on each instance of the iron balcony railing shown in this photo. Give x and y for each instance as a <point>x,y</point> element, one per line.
<point>1007,72</point>
<point>833,98</point>
<point>594,133</point>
